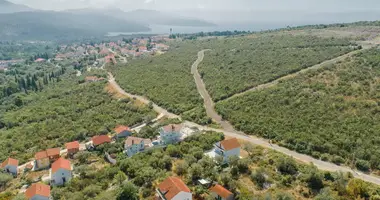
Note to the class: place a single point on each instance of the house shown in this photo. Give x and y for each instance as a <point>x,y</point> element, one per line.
<point>39,60</point>
<point>72,147</point>
<point>110,59</point>
<point>104,52</point>
<point>60,172</point>
<point>123,131</point>
<point>143,49</point>
<point>135,145</point>
<point>173,188</point>
<point>10,165</point>
<point>53,154</point>
<point>38,191</point>
<point>221,193</point>
<point>227,149</point>
<point>41,160</point>
<point>100,139</point>
<point>162,47</point>
<point>171,133</point>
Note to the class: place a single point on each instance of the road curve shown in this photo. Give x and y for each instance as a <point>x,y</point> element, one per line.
<point>322,165</point>
<point>144,100</point>
<point>228,130</point>
<point>288,76</point>
<point>208,102</point>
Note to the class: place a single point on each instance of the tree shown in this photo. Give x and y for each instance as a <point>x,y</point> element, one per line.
<point>173,151</point>
<point>20,197</point>
<point>127,191</point>
<point>258,177</point>
<point>326,194</point>
<point>181,168</point>
<point>195,171</point>
<point>287,166</point>
<point>120,177</point>
<point>284,196</point>
<point>314,179</point>
<point>4,179</point>
<point>357,188</point>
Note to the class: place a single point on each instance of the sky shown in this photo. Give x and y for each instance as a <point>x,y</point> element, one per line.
<point>210,5</point>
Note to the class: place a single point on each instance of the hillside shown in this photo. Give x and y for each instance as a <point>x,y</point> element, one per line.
<point>147,17</point>
<point>57,25</point>
<point>8,7</point>
<point>329,113</point>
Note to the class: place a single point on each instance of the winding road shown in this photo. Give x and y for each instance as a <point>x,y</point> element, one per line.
<point>228,130</point>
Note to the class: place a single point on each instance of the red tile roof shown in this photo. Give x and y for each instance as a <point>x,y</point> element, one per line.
<point>171,186</point>
<point>119,129</point>
<point>39,60</point>
<point>221,191</point>
<point>53,152</point>
<point>9,161</point>
<point>61,163</point>
<point>38,189</point>
<point>100,139</point>
<point>135,140</point>
<point>40,155</point>
<point>230,144</point>
<point>72,145</point>
<point>172,128</point>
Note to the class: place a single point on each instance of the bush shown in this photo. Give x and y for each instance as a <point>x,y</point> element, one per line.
<point>363,165</point>
<point>258,177</point>
<point>338,160</point>
<point>287,166</point>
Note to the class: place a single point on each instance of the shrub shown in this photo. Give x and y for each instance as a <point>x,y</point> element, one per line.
<point>287,166</point>
<point>363,165</point>
<point>338,160</point>
<point>258,177</point>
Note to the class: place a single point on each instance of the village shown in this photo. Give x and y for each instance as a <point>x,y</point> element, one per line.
<point>56,163</point>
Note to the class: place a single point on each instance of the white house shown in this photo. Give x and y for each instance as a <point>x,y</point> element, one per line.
<point>227,149</point>
<point>171,133</point>
<point>61,172</point>
<point>221,193</point>
<point>173,188</point>
<point>38,191</point>
<point>135,145</point>
<point>10,165</point>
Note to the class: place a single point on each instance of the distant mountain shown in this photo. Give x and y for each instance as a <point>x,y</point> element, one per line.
<point>153,17</point>
<point>61,25</point>
<point>8,7</point>
<point>148,17</point>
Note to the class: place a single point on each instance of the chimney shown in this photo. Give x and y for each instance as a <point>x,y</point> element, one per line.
<point>133,142</point>
<point>172,127</point>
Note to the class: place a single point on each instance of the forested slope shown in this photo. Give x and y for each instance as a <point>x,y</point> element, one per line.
<point>331,113</point>
<point>239,63</point>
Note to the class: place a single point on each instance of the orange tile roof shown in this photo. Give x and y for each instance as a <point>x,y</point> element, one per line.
<point>53,152</point>
<point>100,139</point>
<point>135,140</point>
<point>172,127</point>
<point>41,155</point>
<point>72,145</point>
<point>171,186</point>
<point>230,144</point>
<point>61,163</point>
<point>221,191</point>
<point>9,161</point>
<point>119,129</point>
<point>37,189</point>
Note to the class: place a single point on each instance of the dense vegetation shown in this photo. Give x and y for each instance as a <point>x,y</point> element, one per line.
<point>331,113</point>
<point>22,50</point>
<point>63,112</point>
<point>166,80</point>
<point>233,65</point>
<point>262,174</point>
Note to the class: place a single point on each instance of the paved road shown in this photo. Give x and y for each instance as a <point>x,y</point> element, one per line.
<point>322,165</point>
<point>156,108</point>
<point>208,102</point>
<point>275,82</point>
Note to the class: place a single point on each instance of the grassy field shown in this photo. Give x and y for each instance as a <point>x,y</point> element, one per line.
<point>331,113</point>
<point>63,112</point>
<point>166,80</point>
<point>237,64</point>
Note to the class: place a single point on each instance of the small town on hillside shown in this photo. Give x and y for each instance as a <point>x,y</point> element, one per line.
<point>54,166</point>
